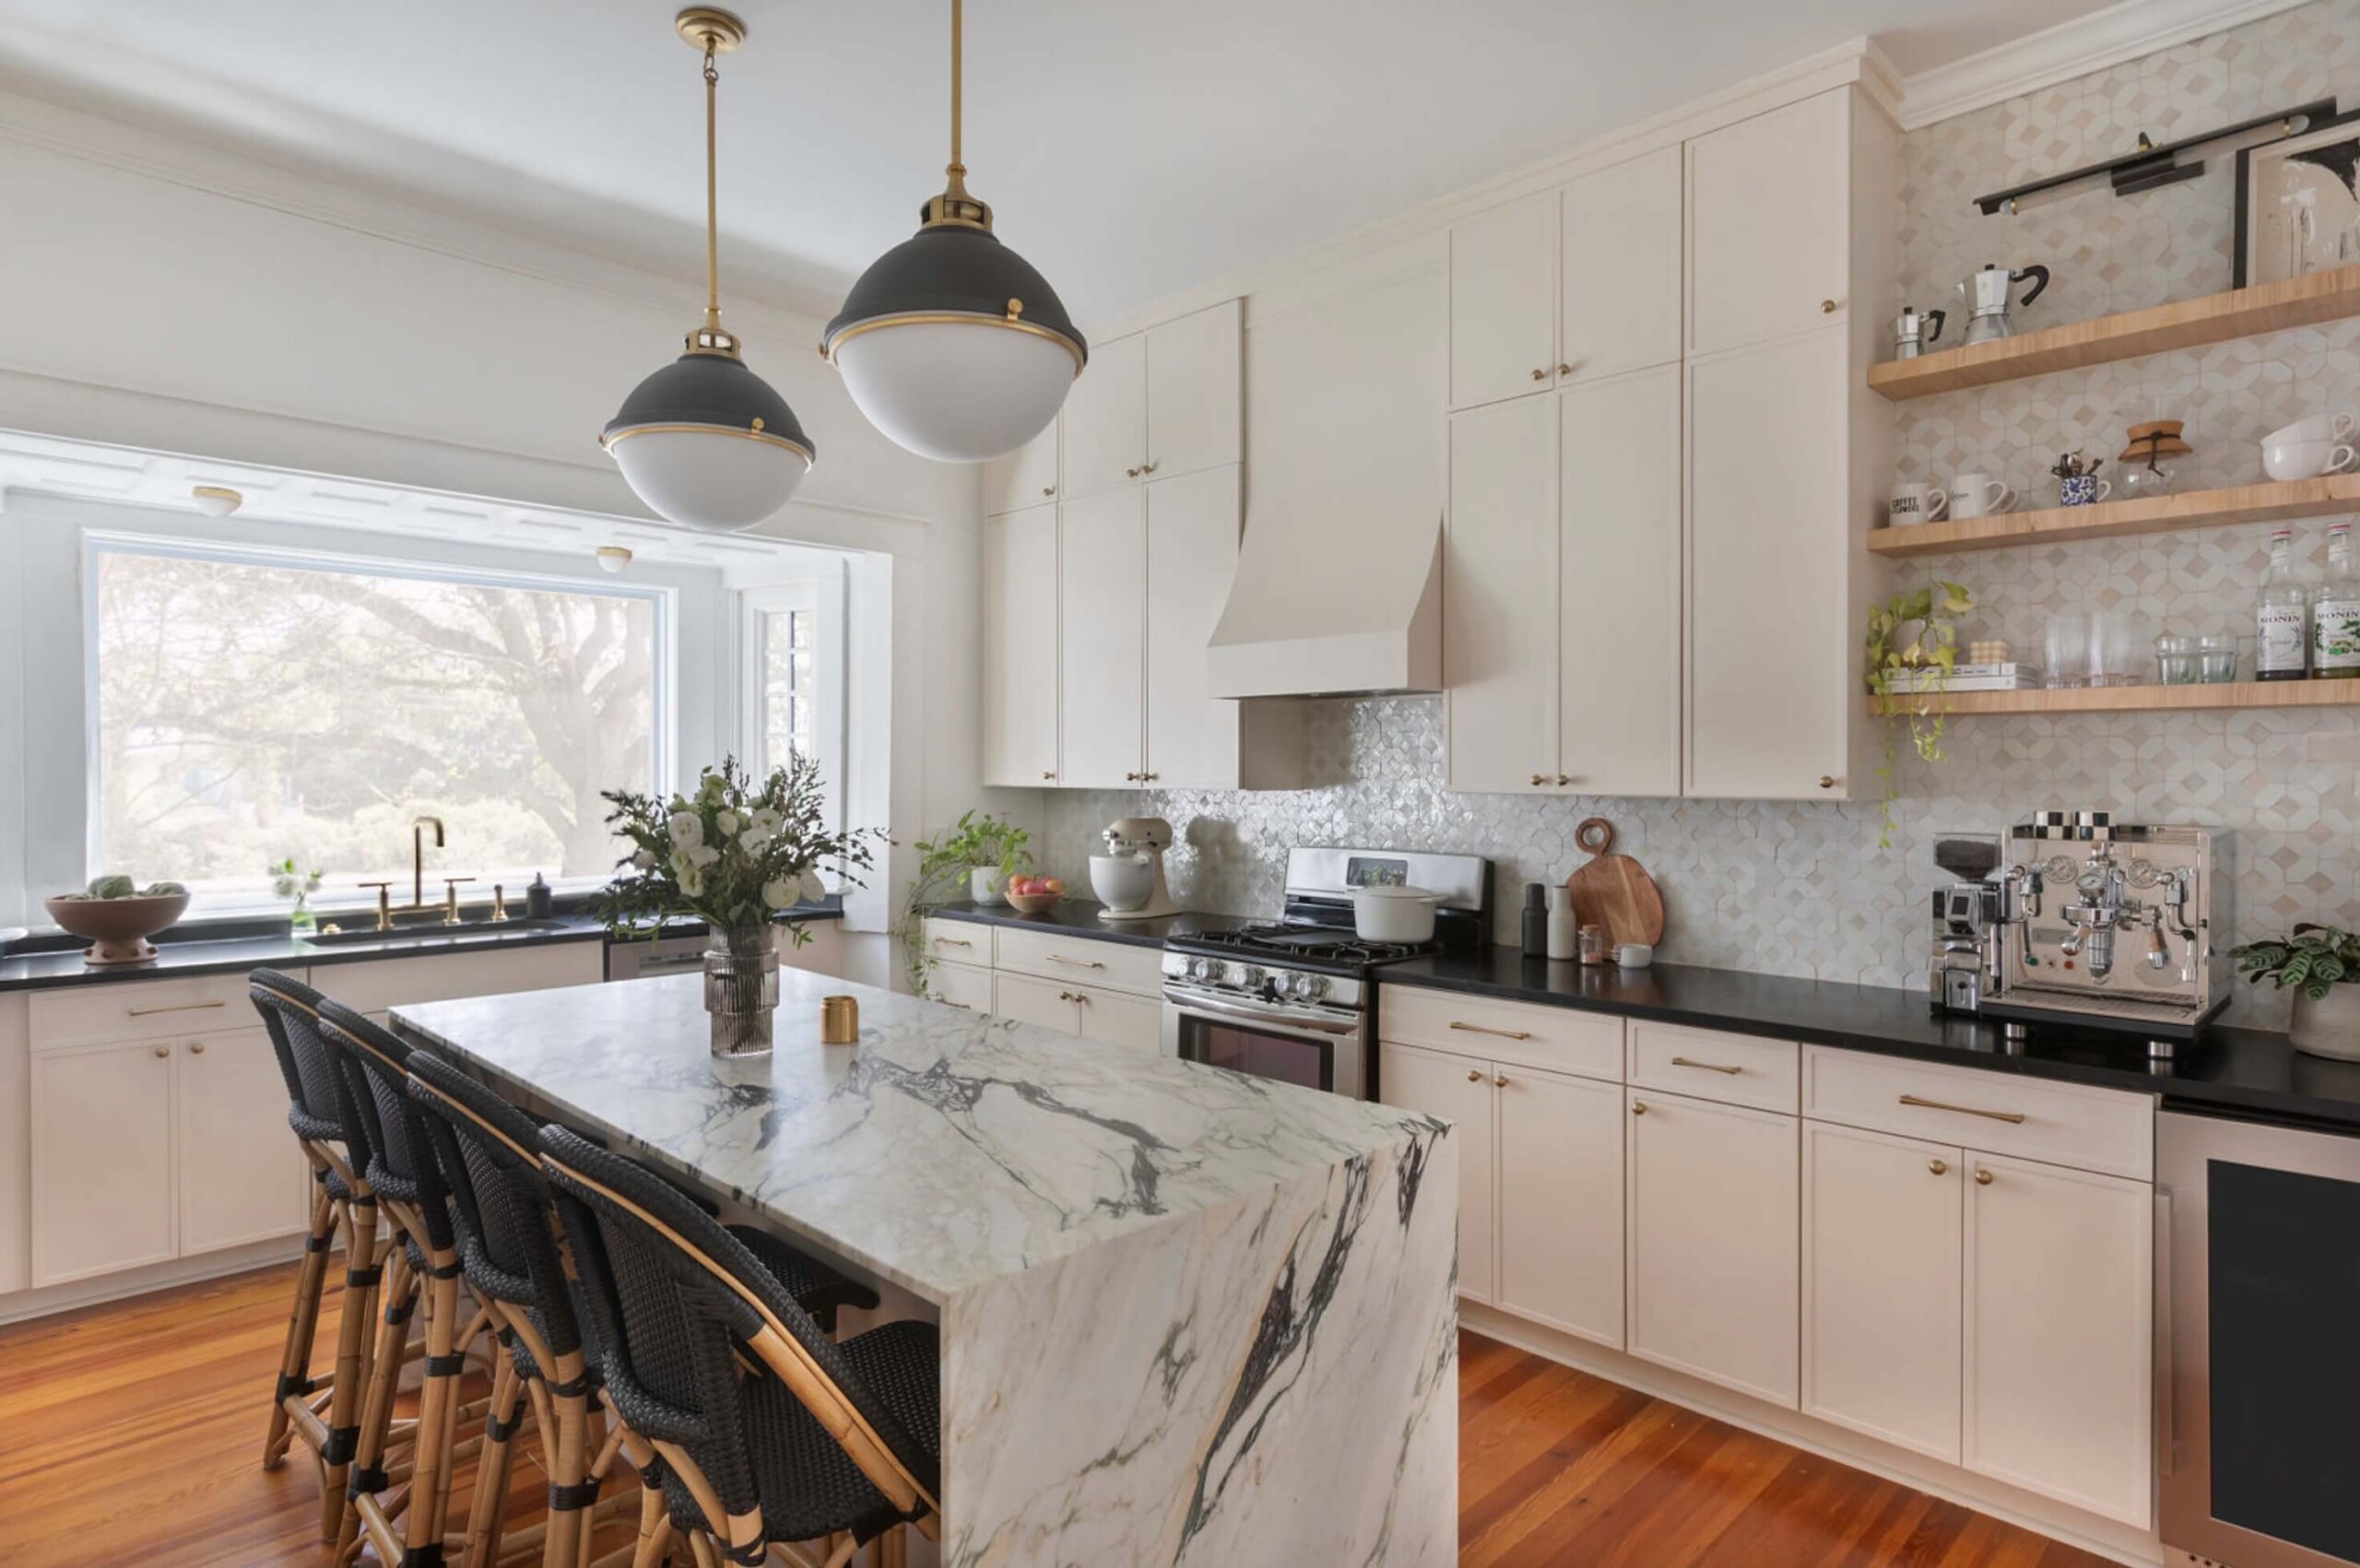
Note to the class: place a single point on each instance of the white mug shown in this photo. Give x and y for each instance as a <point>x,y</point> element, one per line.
<point>1980,495</point>
<point>2325,428</point>
<point>1913,504</point>
<point>2304,459</point>
<point>1634,955</point>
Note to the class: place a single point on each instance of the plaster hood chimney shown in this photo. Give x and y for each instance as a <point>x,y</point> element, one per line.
<point>1326,606</point>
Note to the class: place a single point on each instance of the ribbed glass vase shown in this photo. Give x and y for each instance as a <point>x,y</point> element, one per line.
<point>741,988</point>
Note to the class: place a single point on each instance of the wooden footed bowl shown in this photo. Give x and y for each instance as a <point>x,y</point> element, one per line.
<point>1035,903</point>
<point>118,929</point>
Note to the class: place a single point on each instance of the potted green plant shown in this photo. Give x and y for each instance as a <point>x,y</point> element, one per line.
<point>1911,647</point>
<point>2321,965</point>
<point>735,856</point>
<point>979,850</point>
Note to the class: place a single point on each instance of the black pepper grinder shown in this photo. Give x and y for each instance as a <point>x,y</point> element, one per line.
<point>536,899</point>
<point>1536,920</point>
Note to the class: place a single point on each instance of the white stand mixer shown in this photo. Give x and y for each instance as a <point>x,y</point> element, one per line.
<point>1128,878</point>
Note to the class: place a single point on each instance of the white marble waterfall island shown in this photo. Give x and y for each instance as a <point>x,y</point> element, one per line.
<point>1187,1318</point>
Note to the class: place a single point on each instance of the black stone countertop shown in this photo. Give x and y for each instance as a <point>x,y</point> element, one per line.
<point>39,963</point>
<point>1080,916</point>
<point>2246,1070</point>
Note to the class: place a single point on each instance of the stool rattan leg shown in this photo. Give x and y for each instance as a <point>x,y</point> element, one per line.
<point>361,1251</point>
<point>302,1323</point>
<point>486,1519</point>
<point>385,1363</point>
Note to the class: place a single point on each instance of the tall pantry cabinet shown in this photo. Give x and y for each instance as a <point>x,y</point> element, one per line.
<point>1656,586</point>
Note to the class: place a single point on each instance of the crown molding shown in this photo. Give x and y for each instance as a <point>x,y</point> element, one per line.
<point>2078,48</point>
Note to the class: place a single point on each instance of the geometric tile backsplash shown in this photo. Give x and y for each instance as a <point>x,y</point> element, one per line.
<point>1802,887</point>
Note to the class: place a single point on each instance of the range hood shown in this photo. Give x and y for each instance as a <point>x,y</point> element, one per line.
<point>1322,607</point>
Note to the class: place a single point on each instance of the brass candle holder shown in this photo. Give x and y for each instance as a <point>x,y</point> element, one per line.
<point>839,1020</point>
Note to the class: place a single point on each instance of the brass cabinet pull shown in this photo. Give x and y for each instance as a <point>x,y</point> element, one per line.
<point>175,1007</point>
<point>953,942</point>
<point>1048,773</point>
<point>2015,1117</point>
<point>1130,472</point>
<point>1481,1029</point>
<point>1539,779</point>
<point>1541,375</point>
<point>1149,778</point>
<point>1065,997</point>
<point>1131,776</point>
<point>1983,1178</point>
<point>1940,1167</point>
<point>1827,780</point>
<point>1708,1066</point>
<point>1500,1081</point>
<point>1149,468</point>
<point>196,1047</point>
<point>1563,369</point>
<point>1827,306</point>
<point>1564,779</point>
<point>1474,1075</point>
<point>1082,996</point>
<point>163,1050</point>
<point>1638,1107</point>
<point>1048,489</point>
<point>1077,963</point>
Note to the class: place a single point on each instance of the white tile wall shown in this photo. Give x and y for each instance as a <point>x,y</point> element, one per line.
<point>1802,889</point>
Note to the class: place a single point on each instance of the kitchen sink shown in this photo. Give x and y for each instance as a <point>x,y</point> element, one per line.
<point>426,931</point>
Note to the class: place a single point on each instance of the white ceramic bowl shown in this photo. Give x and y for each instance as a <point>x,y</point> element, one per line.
<point>1393,914</point>
<point>1122,882</point>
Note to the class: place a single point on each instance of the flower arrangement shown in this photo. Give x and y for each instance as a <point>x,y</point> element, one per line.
<point>731,854</point>
<point>287,882</point>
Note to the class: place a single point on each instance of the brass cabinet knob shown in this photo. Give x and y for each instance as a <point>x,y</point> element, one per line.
<point>1147,467</point>
<point>1500,1081</point>
<point>1134,777</point>
<point>1539,779</point>
<point>1827,780</point>
<point>1983,1178</point>
<point>1565,369</point>
<point>1048,489</point>
<point>1827,306</point>
<point>1541,374</point>
<point>1939,1167</point>
<point>1638,1107</point>
<point>1130,472</point>
<point>1048,773</point>
<point>1564,779</point>
<point>196,1047</point>
<point>1474,1075</point>
<point>163,1050</point>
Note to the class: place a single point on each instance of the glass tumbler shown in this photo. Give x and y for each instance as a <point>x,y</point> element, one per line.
<point>2216,657</point>
<point>2066,652</point>
<point>2176,660</point>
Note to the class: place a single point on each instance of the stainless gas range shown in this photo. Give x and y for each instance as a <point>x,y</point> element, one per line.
<point>1294,1000</point>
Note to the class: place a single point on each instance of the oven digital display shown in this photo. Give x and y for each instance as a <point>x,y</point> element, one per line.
<point>1367,871</point>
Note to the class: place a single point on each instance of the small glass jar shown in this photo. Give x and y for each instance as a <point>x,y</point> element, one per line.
<point>1593,945</point>
<point>2216,657</point>
<point>2176,660</point>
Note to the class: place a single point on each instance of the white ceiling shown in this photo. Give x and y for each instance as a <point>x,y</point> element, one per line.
<point>1129,149</point>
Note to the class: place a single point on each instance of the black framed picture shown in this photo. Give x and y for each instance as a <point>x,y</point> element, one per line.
<point>2299,203</point>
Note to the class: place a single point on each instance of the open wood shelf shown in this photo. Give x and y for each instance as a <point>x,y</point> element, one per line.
<point>2187,324</point>
<point>2128,699</point>
<point>2115,519</point>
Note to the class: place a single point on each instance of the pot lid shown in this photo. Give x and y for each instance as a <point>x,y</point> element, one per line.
<point>1395,894</point>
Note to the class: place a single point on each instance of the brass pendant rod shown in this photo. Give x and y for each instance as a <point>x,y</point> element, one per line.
<point>957,48</point>
<point>712,200</point>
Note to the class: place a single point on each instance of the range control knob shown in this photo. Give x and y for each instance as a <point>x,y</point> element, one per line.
<point>1250,977</point>
<point>1307,988</point>
<point>1204,968</point>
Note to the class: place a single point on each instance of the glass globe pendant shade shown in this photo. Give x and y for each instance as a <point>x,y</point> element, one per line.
<point>707,443</point>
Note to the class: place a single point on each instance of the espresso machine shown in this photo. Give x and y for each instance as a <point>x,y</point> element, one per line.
<point>2074,918</point>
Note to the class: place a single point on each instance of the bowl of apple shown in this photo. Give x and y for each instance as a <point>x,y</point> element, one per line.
<point>1034,895</point>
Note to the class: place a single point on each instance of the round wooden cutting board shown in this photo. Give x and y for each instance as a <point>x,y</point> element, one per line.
<point>1614,890</point>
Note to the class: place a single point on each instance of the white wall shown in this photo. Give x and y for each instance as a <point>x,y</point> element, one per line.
<point>166,296</point>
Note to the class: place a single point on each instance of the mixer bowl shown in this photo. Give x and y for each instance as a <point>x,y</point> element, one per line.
<point>1123,882</point>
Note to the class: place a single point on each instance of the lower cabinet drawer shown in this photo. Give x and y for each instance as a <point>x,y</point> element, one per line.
<point>1737,1069</point>
<point>141,1009</point>
<point>1044,1002</point>
<point>961,986</point>
<point>1059,955</point>
<point>957,941</point>
<point>2062,1124</point>
<point>1121,1019</point>
<point>1563,1040</point>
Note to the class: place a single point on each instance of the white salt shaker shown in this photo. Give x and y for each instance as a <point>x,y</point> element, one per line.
<point>1564,934</point>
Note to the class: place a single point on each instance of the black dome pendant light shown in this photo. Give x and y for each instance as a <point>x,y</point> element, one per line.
<point>950,343</point>
<point>704,441</point>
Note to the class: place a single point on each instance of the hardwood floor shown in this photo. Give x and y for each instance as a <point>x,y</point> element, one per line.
<point>131,1434</point>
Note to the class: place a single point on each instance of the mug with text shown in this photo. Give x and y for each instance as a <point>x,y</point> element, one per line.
<point>1913,504</point>
<point>1980,495</point>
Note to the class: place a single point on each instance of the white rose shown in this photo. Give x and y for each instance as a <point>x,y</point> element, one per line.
<point>727,822</point>
<point>693,882</point>
<point>685,827</point>
<point>702,855</point>
<point>778,892</point>
<point>753,837</point>
<point>767,820</point>
<point>814,889</point>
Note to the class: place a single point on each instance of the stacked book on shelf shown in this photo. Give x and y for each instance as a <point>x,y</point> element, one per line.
<point>1965,678</point>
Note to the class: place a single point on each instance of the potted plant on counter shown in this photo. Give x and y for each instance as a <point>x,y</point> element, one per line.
<point>735,856</point>
<point>978,854</point>
<point>2321,965</point>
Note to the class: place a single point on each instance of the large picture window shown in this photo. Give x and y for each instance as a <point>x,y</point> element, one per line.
<point>250,708</point>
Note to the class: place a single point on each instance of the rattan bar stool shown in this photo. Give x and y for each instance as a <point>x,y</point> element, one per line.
<point>772,1434</point>
<point>422,1271</point>
<point>324,1411</point>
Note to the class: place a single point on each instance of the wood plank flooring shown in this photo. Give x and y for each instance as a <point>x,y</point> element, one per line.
<point>130,1435</point>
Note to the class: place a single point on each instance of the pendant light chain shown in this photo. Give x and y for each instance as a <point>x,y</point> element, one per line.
<point>712,200</point>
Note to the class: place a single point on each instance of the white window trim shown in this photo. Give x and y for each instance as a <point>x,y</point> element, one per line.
<point>95,542</point>
<point>824,596</point>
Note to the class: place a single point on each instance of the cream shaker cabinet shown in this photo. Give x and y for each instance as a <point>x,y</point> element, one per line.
<point>1504,301</point>
<point>1881,1285</point>
<point>241,1177</point>
<point>1773,697</point>
<point>1158,404</point>
<point>1619,269</point>
<point>1026,477</point>
<point>1192,528</point>
<point>1102,610</point>
<point>1458,1090</point>
<point>1771,222</point>
<point>1021,600</point>
<point>1714,1268</point>
<point>1500,562</point>
<point>102,1158</point>
<point>2059,1366</point>
<point>1560,1150</point>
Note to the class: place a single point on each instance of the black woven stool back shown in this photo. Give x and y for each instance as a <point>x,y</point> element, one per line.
<point>499,1196</point>
<point>319,1101</point>
<point>672,1297</point>
<point>374,1063</point>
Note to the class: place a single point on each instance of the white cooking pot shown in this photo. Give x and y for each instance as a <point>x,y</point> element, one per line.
<point>1393,914</point>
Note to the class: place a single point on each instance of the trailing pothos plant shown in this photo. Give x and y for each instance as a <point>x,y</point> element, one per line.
<point>2312,959</point>
<point>1912,636</point>
<point>977,839</point>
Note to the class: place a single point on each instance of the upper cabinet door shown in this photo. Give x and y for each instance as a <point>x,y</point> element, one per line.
<point>1769,204</point>
<point>1026,477</point>
<point>1772,632</point>
<point>1503,301</point>
<point>1102,612</point>
<point>1020,647</point>
<point>1195,393</point>
<point>1105,417</point>
<point>1499,617</point>
<point>1618,595</point>
<point>1619,264</point>
<point>1191,556</point>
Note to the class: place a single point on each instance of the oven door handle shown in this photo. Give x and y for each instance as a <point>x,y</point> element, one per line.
<point>1192,1001</point>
